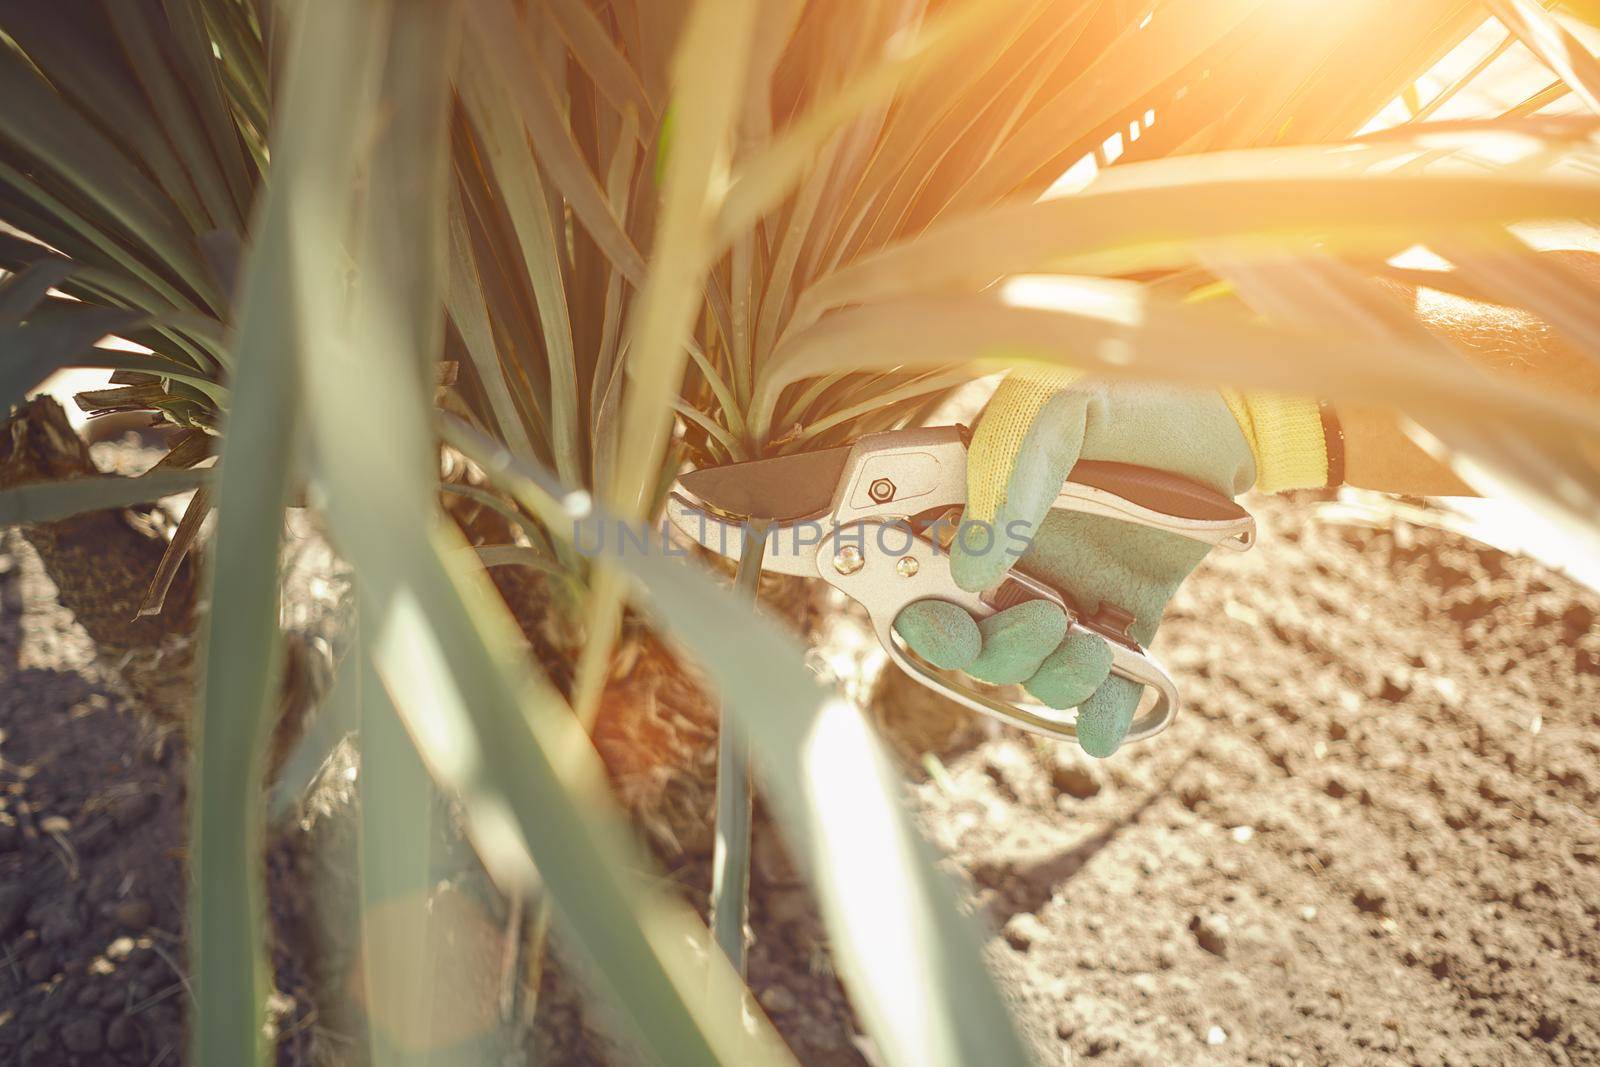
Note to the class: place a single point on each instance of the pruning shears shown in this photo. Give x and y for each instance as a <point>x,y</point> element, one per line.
<point>875,519</point>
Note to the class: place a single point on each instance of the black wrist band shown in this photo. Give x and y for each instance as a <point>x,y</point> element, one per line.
<point>1333,439</point>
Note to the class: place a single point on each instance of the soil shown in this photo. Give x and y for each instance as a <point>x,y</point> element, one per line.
<point>92,963</point>
<point>1371,837</point>
<point>92,792</point>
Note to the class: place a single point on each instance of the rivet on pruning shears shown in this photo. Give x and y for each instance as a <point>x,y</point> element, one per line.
<point>848,560</point>
<point>907,566</point>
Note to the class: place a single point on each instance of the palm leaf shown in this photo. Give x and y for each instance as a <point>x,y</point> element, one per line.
<point>496,33</point>
<point>526,202</point>
<point>1554,45</point>
<point>612,71</point>
<point>48,335</point>
<point>86,162</point>
<point>1150,215</point>
<point>708,69</point>
<point>333,59</point>
<point>50,501</point>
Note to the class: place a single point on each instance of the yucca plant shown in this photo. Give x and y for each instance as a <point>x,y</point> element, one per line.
<point>887,166</point>
<point>650,232</point>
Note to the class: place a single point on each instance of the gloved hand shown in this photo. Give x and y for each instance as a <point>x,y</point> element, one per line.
<point>1034,430</point>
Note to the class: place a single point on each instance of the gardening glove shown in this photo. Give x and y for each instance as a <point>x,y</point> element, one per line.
<point>1033,432</point>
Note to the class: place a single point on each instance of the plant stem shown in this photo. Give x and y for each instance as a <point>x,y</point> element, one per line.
<point>730,855</point>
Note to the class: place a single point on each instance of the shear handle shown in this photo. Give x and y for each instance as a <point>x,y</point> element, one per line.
<point>1158,499</point>
<point>884,583</point>
<point>1034,717</point>
<point>1170,494</point>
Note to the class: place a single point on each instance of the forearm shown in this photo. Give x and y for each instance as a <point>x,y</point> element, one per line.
<point>1497,340</point>
<point>1378,455</point>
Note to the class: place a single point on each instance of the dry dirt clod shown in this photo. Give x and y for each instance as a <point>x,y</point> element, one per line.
<point>1014,772</point>
<point>86,1033</point>
<point>1073,773</point>
<point>788,906</point>
<point>122,1034</point>
<point>1195,790</point>
<point>1372,895</point>
<point>56,917</point>
<point>134,914</point>
<point>1394,685</point>
<point>771,861</point>
<point>1577,620</point>
<point>777,1000</point>
<point>1023,930</point>
<point>41,965</point>
<point>1212,932</point>
<point>132,809</point>
<point>13,905</point>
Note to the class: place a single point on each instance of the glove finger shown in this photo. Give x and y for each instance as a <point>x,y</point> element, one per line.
<point>1025,446</point>
<point>1104,718</point>
<point>1070,675</point>
<point>1016,641</point>
<point>940,632</point>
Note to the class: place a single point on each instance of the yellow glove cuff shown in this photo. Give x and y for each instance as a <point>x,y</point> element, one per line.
<point>1017,401</point>
<point>1286,436</point>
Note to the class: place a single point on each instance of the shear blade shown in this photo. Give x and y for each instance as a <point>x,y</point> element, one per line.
<point>787,549</point>
<point>782,489</point>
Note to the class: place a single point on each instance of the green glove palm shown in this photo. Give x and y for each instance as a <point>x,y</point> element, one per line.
<point>1032,434</point>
